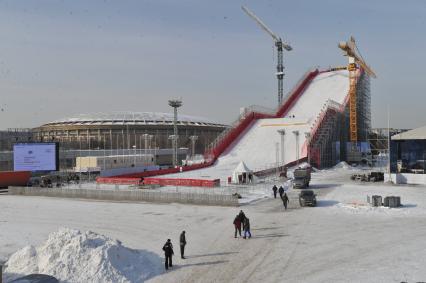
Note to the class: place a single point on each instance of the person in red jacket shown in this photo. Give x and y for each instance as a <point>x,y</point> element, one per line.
<point>237,225</point>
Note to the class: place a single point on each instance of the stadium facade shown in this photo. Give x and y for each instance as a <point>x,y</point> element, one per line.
<point>127,130</point>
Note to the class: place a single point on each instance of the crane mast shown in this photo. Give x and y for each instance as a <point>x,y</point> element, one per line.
<point>355,59</point>
<point>280,45</point>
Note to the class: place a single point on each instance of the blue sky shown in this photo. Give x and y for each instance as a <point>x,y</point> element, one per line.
<point>61,58</point>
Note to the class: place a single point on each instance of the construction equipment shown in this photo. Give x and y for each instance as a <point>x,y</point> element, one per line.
<point>302,177</point>
<point>355,58</point>
<point>280,45</point>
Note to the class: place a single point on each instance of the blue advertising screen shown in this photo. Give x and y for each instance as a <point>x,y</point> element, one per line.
<point>35,157</point>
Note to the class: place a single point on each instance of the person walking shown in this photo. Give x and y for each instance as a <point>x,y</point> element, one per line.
<point>237,225</point>
<point>285,200</point>
<point>274,188</point>
<point>281,191</point>
<point>242,216</point>
<point>182,244</point>
<point>246,226</point>
<point>168,253</point>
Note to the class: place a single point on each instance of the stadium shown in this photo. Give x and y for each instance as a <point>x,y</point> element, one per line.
<point>127,130</point>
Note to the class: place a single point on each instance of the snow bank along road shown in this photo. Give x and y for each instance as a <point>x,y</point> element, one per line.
<point>329,243</point>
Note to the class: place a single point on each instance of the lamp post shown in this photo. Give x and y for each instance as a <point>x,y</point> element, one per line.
<point>174,138</point>
<point>296,134</point>
<point>150,137</point>
<point>277,157</point>
<point>79,163</point>
<point>134,155</point>
<point>389,149</point>
<point>282,134</point>
<point>145,137</point>
<point>193,140</point>
<point>308,146</point>
<point>175,103</point>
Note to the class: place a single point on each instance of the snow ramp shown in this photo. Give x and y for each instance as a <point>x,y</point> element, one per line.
<point>254,137</point>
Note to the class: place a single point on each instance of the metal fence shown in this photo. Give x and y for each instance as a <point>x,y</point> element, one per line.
<point>116,194</point>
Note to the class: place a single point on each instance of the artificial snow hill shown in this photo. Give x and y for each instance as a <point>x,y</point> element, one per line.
<point>256,146</point>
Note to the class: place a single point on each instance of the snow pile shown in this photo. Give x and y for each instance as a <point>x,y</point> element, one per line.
<point>342,165</point>
<point>74,256</point>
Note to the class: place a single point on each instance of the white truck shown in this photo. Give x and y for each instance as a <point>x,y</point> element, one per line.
<point>302,177</point>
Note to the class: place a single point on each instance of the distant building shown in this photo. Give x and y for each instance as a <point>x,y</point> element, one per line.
<point>126,130</point>
<point>127,133</point>
<point>408,156</point>
<point>7,139</point>
<point>11,136</point>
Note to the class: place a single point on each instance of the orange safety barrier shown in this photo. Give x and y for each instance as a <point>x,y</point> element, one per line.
<point>14,178</point>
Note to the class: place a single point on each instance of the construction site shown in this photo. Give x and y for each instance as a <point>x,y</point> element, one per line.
<point>305,190</point>
<point>324,119</point>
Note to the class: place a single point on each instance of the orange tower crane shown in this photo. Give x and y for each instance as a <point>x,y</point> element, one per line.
<point>355,61</point>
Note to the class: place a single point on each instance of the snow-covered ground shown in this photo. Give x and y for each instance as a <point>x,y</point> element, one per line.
<point>341,240</point>
<point>257,146</point>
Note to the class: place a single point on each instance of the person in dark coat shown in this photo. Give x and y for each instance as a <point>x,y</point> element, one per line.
<point>246,225</point>
<point>274,188</point>
<point>242,216</point>
<point>237,225</point>
<point>285,200</point>
<point>281,191</point>
<point>168,253</point>
<point>182,240</point>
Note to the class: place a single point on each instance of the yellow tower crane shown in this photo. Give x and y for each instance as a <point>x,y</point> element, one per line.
<point>355,61</point>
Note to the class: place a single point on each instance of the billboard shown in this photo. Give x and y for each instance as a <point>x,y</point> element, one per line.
<point>35,157</point>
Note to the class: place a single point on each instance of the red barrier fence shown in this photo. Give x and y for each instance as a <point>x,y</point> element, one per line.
<point>182,182</point>
<point>14,178</point>
<point>118,181</point>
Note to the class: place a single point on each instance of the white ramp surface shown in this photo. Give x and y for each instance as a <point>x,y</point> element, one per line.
<point>325,86</point>
<point>257,145</point>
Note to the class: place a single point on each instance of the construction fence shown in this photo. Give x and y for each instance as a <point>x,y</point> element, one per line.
<point>134,195</point>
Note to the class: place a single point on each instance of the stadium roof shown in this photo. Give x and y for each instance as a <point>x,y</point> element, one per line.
<point>132,118</point>
<point>415,134</point>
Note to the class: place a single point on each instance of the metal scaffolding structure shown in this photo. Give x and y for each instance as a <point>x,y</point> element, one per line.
<point>331,136</point>
<point>363,107</point>
<point>325,136</point>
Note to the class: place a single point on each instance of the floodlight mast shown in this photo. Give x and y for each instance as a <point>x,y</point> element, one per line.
<point>175,103</point>
<point>280,45</point>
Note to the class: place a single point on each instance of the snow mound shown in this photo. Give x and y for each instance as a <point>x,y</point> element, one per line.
<point>74,256</point>
<point>342,165</point>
